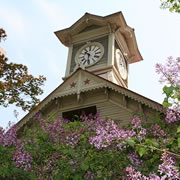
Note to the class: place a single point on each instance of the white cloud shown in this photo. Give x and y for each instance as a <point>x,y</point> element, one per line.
<point>56,16</point>
<point>12,20</point>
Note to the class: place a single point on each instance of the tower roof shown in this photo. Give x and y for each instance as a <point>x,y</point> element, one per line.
<point>115,23</point>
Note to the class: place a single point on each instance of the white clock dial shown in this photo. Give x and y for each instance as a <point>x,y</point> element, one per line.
<point>121,64</point>
<point>89,54</point>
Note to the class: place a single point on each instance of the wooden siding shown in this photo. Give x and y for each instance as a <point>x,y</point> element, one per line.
<point>105,105</point>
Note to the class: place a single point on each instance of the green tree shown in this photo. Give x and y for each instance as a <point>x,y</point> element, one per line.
<point>17,86</point>
<point>172,5</point>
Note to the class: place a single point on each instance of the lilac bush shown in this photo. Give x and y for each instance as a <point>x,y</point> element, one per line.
<point>94,148</point>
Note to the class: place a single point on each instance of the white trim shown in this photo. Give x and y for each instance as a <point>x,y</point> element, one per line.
<point>110,49</point>
<point>68,64</point>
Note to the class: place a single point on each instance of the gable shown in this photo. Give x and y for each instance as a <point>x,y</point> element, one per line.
<point>91,27</point>
<point>83,89</point>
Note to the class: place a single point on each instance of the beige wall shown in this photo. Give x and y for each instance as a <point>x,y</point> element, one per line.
<point>109,103</point>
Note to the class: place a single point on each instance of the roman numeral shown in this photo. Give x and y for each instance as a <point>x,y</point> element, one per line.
<point>93,59</point>
<point>97,50</point>
<point>93,48</point>
<point>84,62</point>
<point>96,56</point>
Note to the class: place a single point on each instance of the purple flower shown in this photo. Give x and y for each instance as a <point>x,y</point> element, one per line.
<point>172,115</point>
<point>89,176</point>
<point>9,137</point>
<point>157,131</point>
<point>108,133</point>
<point>22,158</point>
<point>135,160</point>
<point>170,72</point>
<point>136,122</point>
<point>168,167</point>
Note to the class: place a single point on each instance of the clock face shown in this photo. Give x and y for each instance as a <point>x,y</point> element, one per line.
<point>121,64</point>
<point>89,54</point>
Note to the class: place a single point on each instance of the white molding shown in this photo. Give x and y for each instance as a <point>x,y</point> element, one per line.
<point>110,49</point>
<point>92,34</point>
<point>68,64</point>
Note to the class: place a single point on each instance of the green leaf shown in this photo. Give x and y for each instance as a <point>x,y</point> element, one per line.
<point>154,143</point>
<point>84,166</point>
<point>82,137</point>
<point>168,90</point>
<point>166,104</point>
<point>32,177</point>
<point>148,141</point>
<point>178,129</point>
<point>142,151</point>
<point>178,142</point>
<point>131,142</point>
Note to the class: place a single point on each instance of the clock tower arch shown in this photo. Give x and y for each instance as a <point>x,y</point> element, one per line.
<point>104,45</point>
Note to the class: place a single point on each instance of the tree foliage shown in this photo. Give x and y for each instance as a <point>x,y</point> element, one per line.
<point>17,86</point>
<point>172,5</point>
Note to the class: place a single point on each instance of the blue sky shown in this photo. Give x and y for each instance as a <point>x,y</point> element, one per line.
<point>30,26</point>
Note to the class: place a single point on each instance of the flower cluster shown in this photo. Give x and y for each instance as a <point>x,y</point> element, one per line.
<point>170,72</point>
<point>137,126</point>
<point>167,170</point>
<point>132,174</point>
<point>73,139</point>
<point>22,157</point>
<point>136,122</point>
<point>9,137</point>
<point>59,134</point>
<point>107,133</point>
<point>156,130</point>
<point>172,115</point>
<point>134,159</point>
<point>89,176</point>
<point>51,161</point>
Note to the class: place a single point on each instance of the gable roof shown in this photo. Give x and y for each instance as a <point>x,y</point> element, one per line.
<point>115,22</point>
<point>83,81</point>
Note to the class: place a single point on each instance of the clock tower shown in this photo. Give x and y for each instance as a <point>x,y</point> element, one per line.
<point>96,79</point>
<point>103,45</point>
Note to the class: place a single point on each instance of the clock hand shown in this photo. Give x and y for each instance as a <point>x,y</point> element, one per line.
<point>88,60</point>
<point>88,55</point>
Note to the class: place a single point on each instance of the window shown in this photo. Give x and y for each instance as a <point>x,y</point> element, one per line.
<point>75,114</point>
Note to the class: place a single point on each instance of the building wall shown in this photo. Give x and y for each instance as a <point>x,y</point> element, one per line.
<point>110,104</point>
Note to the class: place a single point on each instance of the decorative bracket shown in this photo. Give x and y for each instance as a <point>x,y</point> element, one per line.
<point>125,101</point>
<point>140,108</point>
<point>106,92</point>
